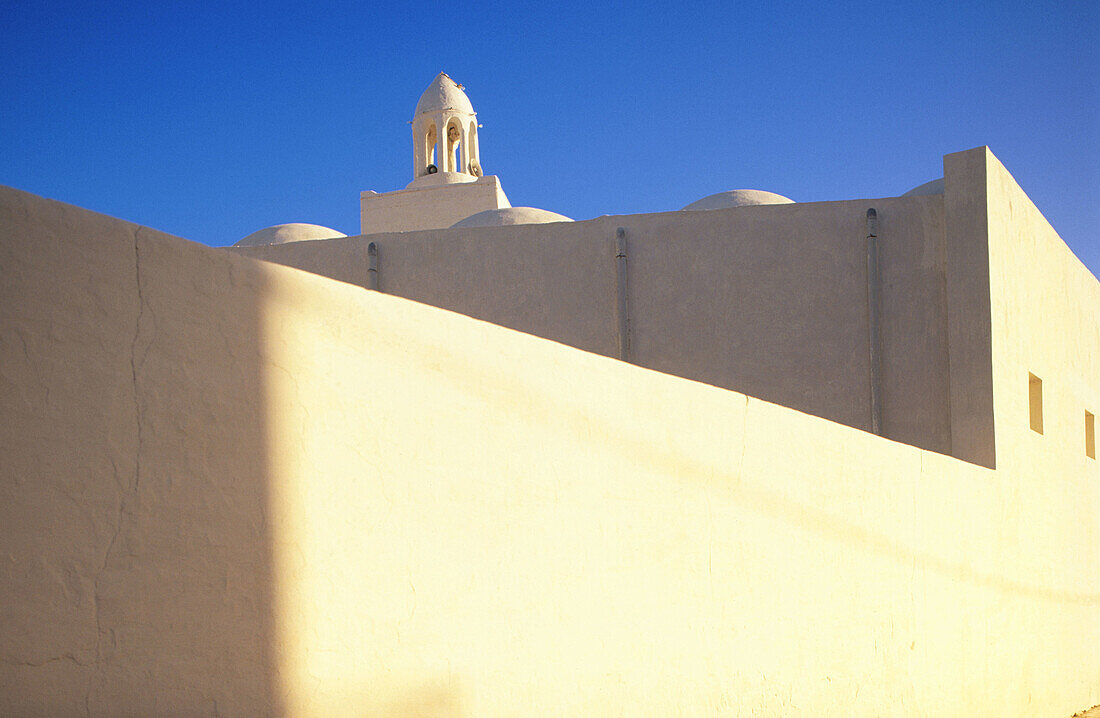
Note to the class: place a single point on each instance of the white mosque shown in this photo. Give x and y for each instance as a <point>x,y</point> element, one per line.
<point>753,457</point>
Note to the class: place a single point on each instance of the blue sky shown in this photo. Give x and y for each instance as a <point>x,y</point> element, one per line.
<point>213,120</point>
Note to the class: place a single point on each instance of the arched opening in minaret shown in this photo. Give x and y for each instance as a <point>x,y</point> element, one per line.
<point>474,164</point>
<point>453,140</point>
<point>429,148</point>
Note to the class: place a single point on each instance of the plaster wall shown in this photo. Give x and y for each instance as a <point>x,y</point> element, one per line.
<point>606,540</point>
<point>429,206</point>
<point>236,488</point>
<point>134,526</point>
<point>767,300</point>
<point>1045,321</point>
<point>966,293</point>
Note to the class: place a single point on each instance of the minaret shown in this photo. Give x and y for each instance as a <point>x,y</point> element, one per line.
<point>444,130</point>
<point>447,184</point>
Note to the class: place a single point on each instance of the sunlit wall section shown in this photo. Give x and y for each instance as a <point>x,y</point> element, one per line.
<point>471,521</point>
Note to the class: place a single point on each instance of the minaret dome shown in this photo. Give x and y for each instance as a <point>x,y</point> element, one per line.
<point>445,133</point>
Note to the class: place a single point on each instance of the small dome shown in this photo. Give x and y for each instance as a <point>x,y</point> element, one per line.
<point>283,233</point>
<point>510,215</point>
<point>443,94</point>
<point>738,198</point>
<point>933,187</point>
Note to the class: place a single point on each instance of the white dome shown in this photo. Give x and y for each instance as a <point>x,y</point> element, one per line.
<point>933,187</point>
<point>443,94</point>
<point>283,233</point>
<point>510,215</point>
<point>738,198</point>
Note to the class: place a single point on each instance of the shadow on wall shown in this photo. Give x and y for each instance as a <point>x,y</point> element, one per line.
<point>159,556</point>
<point>137,516</point>
<point>500,389</point>
<point>133,491</point>
<point>772,300</point>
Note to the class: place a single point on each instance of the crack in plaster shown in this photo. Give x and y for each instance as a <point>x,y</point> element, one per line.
<point>38,664</point>
<point>134,365</point>
<point>35,367</point>
<point>124,507</point>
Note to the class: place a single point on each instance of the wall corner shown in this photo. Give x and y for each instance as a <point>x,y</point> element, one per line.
<point>969,319</point>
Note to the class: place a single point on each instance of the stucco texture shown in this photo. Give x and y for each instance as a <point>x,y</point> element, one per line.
<point>232,487</point>
<point>133,517</point>
<point>770,301</point>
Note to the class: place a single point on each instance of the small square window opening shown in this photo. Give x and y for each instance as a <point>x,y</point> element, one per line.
<point>1090,435</point>
<point>1035,402</point>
